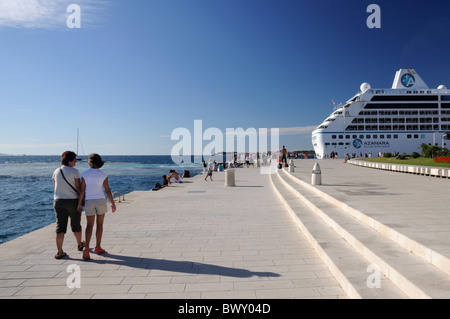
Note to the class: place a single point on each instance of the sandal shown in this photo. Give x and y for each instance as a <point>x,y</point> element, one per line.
<point>80,247</point>
<point>60,255</point>
<point>99,250</point>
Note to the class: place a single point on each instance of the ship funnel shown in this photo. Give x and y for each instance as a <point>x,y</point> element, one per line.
<point>408,79</point>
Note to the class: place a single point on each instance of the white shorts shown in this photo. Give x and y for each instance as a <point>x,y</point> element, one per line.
<point>95,207</point>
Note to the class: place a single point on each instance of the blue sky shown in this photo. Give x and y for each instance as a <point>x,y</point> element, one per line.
<point>137,70</point>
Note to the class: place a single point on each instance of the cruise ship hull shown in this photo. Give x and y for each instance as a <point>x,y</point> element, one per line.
<point>362,144</point>
<point>378,121</point>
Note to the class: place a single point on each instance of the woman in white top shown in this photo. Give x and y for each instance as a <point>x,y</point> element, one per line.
<point>66,182</point>
<point>92,183</point>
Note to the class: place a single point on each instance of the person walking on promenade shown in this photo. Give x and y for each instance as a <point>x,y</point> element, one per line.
<point>66,184</point>
<point>204,167</point>
<point>210,170</point>
<point>92,183</point>
<point>284,156</point>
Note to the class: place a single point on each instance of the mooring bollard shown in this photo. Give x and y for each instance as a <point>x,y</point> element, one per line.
<point>316,178</point>
<point>229,177</point>
<point>291,165</point>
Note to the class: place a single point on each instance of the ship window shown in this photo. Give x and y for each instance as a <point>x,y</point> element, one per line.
<point>406,98</point>
<point>326,144</point>
<point>361,136</point>
<point>445,98</point>
<point>408,136</point>
<point>367,136</point>
<point>341,136</point>
<point>388,136</point>
<point>341,143</point>
<point>347,136</point>
<point>354,136</point>
<point>381,136</point>
<point>333,137</point>
<point>429,112</point>
<point>403,106</point>
<point>347,143</point>
<point>333,144</point>
<point>375,136</point>
<point>416,136</point>
<point>395,136</point>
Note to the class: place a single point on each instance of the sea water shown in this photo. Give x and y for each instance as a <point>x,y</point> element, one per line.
<point>26,187</point>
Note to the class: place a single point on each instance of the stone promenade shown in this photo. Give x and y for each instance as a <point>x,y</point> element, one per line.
<point>197,240</point>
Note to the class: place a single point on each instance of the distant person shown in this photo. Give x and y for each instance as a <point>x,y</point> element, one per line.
<point>166,181</point>
<point>210,170</point>
<point>174,176</point>
<point>66,184</point>
<point>204,167</point>
<point>284,156</point>
<point>186,174</point>
<point>93,181</point>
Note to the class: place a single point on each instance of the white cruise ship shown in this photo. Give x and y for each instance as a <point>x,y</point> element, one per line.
<point>396,120</point>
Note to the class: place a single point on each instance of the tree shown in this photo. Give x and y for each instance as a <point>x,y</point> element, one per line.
<point>432,151</point>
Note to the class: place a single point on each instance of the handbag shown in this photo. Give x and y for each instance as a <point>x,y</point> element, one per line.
<point>83,201</point>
